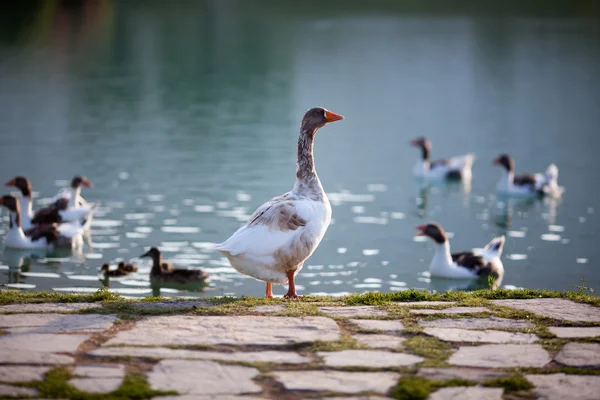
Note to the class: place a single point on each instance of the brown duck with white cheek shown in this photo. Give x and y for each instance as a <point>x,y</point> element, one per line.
<point>38,236</point>
<point>285,231</point>
<point>454,168</point>
<point>466,264</point>
<point>166,272</point>
<point>526,184</point>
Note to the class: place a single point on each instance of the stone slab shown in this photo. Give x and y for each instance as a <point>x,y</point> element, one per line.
<point>501,356</point>
<point>174,304</point>
<point>560,309</point>
<point>267,309</point>
<point>565,387</point>
<point>379,341</point>
<point>39,342</point>
<point>279,357</point>
<point>467,393</point>
<point>470,374</point>
<point>55,323</point>
<point>337,381</point>
<point>96,385</point>
<point>354,311</point>
<point>580,355</point>
<point>48,307</point>
<point>203,377</point>
<point>368,358</point>
<point>489,336</point>
<point>478,323</point>
<point>424,303</point>
<point>378,324</point>
<point>452,310</point>
<point>357,398</point>
<point>236,330</point>
<point>99,371</point>
<point>20,356</point>
<point>8,390</point>
<point>571,332</point>
<point>213,397</point>
<point>27,373</point>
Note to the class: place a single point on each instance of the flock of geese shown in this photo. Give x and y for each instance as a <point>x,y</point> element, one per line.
<point>283,232</point>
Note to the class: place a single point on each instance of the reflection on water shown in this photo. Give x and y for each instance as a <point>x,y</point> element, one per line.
<point>186,119</point>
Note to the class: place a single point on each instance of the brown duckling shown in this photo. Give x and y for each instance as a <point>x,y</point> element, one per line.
<point>122,269</point>
<point>166,272</point>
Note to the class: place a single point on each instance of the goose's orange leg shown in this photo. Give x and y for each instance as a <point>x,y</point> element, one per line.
<point>291,293</point>
<point>269,294</point>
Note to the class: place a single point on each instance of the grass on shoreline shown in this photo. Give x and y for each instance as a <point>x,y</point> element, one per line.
<point>375,298</point>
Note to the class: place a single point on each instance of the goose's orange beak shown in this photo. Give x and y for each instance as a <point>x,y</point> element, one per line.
<point>420,229</point>
<point>12,182</point>
<point>496,161</point>
<point>332,117</point>
<point>87,183</point>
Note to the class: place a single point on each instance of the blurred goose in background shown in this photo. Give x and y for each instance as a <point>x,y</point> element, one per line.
<point>466,264</point>
<point>165,272</point>
<point>285,231</point>
<point>78,207</point>
<point>527,184</point>
<point>454,168</point>
<point>38,236</point>
<point>122,269</point>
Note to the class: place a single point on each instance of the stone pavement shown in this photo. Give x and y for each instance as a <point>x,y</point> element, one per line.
<point>346,352</point>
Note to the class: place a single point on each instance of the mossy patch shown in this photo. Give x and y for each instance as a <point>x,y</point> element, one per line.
<point>435,351</point>
<point>135,387</point>
<point>514,383</point>
<point>418,388</point>
<point>17,296</point>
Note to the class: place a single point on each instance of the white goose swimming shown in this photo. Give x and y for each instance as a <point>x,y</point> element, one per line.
<point>466,264</point>
<point>526,185</point>
<point>38,236</point>
<point>78,208</point>
<point>69,219</point>
<point>285,231</point>
<point>458,167</point>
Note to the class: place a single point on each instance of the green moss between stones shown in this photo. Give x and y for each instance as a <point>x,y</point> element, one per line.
<point>514,383</point>
<point>135,387</point>
<point>418,388</point>
<point>435,351</point>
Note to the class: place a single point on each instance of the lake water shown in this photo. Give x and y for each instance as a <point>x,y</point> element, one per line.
<point>185,117</point>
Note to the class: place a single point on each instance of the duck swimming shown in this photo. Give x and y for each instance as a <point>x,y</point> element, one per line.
<point>465,264</point>
<point>38,236</point>
<point>122,269</point>
<point>458,167</point>
<point>285,231</point>
<point>527,184</point>
<point>165,272</point>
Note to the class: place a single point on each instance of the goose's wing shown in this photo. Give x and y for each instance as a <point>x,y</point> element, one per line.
<point>272,226</point>
<point>50,214</point>
<point>468,260</point>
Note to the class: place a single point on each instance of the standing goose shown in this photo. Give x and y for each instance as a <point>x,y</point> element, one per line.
<point>465,264</point>
<point>458,167</point>
<point>527,184</point>
<point>285,231</point>
<point>38,236</point>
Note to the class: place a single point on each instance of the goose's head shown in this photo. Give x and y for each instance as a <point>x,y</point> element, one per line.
<point>318,117</point>
<point>421,142</point>
<point>104,268</point>
<point>79,181</point>
<point>9,201</point>
<point>433,231</point>
<point>21,183</point>
<point>506,161</point>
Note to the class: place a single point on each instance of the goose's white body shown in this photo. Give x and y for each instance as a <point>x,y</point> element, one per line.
<point>462,164</point>
<point>257,250</point>
<point>442,265</point>
<point>67,229</point>
<point>545,184</point>
<point>78,209</point>
<point>15,237</point>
